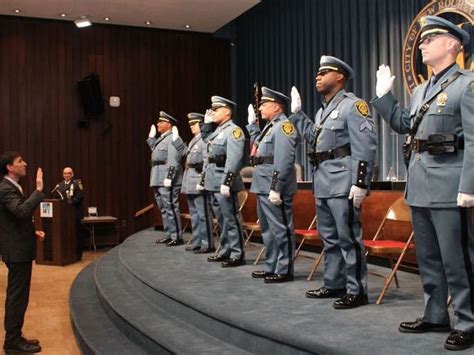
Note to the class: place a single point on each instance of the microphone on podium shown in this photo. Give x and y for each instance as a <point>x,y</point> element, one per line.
<point>56,190</point>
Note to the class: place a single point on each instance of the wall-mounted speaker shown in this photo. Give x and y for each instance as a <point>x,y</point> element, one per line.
<point>91,95</point>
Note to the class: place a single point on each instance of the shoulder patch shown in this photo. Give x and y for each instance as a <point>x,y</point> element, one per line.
<point>287,128</point>
<point>362,108</point>
<point>237,133</point>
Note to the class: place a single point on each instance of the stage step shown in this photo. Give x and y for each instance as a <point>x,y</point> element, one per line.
<point>150,324</point>
<point>95,332</point>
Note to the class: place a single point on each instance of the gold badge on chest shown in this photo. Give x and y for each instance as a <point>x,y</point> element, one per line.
<point>442,99</point>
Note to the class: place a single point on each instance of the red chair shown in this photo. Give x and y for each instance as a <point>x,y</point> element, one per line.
<point>395,250</point>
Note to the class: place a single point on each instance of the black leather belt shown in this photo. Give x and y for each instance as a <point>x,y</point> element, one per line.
<point>437,144</point>
<point>318,157</point>
<point>219,160</point>
<point>260,160</point>
<point>157,162</point>
<point>196,166</point>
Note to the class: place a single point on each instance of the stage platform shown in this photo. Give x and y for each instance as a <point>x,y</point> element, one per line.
<point>145,298</point>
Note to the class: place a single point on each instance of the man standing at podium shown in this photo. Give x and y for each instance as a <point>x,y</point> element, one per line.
<point>71,190</point>
<point>18,244</point>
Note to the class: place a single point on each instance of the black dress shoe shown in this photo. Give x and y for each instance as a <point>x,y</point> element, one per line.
<point>278,278</point>
<point>175,242</point>
<point>30,341</point>
<point>216,258</point>
<point>351,301</point>
<point>459,340</point>
<point>163,240</point>
<point>260,274</point>
<point>191,248</point>
<point>205,251</point>
<point>233,262</point>
<point>324,292</point>
<point>420,326</point>
<point>22,347</point>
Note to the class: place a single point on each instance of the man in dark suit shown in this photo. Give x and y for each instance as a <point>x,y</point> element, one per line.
<point>71,190</point>
<point>18,245</point>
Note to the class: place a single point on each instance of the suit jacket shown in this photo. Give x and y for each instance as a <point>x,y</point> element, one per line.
<point>279,142</point>
<point>347,121</point>
<point>17,231</point>
<point>435,180</point>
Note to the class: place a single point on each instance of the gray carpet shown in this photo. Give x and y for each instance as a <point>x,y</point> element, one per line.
<point>142,285</point>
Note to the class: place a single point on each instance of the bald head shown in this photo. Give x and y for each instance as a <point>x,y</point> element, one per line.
<point>68,174</point>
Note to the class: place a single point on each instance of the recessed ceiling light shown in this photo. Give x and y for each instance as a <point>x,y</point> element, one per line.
<point>147,22</point>
<point>107,18</point>
<point>63,15</point>
<point>17,11</point>
<point>187,26</point>
<point>82,22</point>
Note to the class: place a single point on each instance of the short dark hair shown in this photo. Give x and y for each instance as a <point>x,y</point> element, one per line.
<point>7,158</point>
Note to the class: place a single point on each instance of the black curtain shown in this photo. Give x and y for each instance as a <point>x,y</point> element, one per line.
<point>278,43</point>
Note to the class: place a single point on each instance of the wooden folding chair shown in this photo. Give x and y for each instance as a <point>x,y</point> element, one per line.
<point>309,234</point>
<point>395,250</point>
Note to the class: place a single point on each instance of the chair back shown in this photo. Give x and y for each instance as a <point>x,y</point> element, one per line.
<point>399,211</point>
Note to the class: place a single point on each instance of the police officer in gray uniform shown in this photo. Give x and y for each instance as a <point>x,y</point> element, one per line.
<point>201,220</point>
<point>223,180</point>
<point>342,150</point>
<point>274,182</point>
<point>440,181</point>
<point>166,175</point>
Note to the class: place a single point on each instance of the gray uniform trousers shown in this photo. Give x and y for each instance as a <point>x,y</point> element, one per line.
<point>344,261</point>
<point>278,234</point>
<point>167,201</point>
<point>227,212</point>
<point>445,254</point>
<point>201,221</point>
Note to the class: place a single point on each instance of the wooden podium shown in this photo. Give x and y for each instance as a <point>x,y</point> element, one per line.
<point>56,218</point>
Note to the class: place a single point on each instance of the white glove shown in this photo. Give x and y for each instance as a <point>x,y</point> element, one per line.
<point>274,198</point>
<point>167,182</point>
<point>251,118</point>
<point>225,190</point>
<point>357,194</point>
<point>152,132</point>
<point>465,200</point>
<point>199,187</point>
<point>174,133</point>
<point>384,80</point>
<point>295,100</point>
<point>208,118</point>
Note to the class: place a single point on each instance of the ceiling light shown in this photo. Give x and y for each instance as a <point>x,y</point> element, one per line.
<point>187,26</point>
<point>17,11</point>
<point>63,15</point>
<point>107,18</point>
<point>82,22</point>
<point>147,22</point>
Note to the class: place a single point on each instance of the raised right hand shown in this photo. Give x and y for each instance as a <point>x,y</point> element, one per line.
<point>152,132</point>
<point>251,118</point>
<point>39,179</point>
<point>208,117</point>
<point>384,80</point>
<point>295,100</point>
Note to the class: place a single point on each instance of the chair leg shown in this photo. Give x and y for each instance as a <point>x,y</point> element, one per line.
<point>259,256</point>
<point>298,249</point>
<point>389,279</point>
<point>315,265</point>
<point>247,239</point>
<point>391,267</point>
